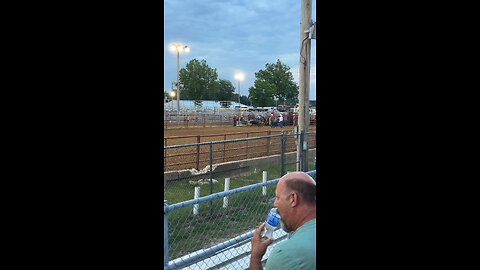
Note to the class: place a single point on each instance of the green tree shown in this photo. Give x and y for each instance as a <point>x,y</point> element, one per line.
<point>275,80</point>
<point>226,91</point>
<point>199,81</point>
<point>244,100</point>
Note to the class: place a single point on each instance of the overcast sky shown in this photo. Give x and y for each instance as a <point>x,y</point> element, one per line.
<point>236,35</point>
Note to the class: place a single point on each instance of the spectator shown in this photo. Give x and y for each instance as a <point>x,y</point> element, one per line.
<point>295,200</point>
<point>280,121</point>
<point>289,118</point>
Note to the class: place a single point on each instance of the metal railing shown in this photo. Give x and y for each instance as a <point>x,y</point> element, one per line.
<point>212,236</point>
<point>197,155</point>
<point>178,140</point>
<point>172,120</point>
<point>219,117</point>
<point>242,160</point>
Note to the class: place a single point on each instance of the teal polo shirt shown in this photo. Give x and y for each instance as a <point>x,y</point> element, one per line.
<point>298,252</point>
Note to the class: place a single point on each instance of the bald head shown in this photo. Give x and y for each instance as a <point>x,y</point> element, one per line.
<point>301,183</point>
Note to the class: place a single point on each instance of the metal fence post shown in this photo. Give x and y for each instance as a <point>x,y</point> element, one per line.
<point>196,195</point>
<point>224,143</point>
<point>198,153</point>
<point>301,151</point>
<point>282,154</point>
<point>300,160</point>
<point>165,155</point>
<point>306,151</point>
<point>165,236</point>
<point>211,174</point>
<point>246,154</point>
<point>264,180</point>
<point>227,187</point>
<point>268,141</point>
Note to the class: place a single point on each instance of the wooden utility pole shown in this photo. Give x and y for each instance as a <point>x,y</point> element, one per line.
<point>304,85</point>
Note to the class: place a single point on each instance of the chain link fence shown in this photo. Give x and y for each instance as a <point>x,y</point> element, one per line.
<point>223,226</point>
<point>243,160</point>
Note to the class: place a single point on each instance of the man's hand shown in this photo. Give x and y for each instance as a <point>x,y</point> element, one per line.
<point>259,244</point>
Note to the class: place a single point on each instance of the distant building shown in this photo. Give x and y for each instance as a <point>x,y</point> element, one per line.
<point>203,105</point>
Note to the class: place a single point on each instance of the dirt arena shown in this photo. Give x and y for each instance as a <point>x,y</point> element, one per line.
<point>191,156</point>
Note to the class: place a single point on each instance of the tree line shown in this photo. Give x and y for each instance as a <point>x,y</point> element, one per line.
<point>273,84</point>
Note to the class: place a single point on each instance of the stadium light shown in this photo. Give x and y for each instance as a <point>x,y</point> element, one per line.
<point>176,47</point>
<point>239,76</point>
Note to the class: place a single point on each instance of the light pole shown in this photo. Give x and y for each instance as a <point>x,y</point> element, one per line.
<point>178,48</point>
<point>172,95</point>
<point>239,77</point>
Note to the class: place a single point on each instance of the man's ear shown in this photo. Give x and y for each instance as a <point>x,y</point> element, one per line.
<point>294,199</point>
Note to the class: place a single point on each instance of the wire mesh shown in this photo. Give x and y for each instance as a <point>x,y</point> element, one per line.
<point>218,221</point>
<point>240,159</point>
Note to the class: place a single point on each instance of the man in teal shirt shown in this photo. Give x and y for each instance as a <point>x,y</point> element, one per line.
<point>295,200</point>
